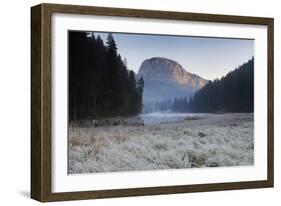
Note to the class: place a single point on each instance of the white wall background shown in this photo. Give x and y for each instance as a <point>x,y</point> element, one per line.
<point>15,102</point>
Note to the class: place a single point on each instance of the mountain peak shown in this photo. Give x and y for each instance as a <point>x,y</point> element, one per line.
<point>167,70</point>
<point>165,79</point>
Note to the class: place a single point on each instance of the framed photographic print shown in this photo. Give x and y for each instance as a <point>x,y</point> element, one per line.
<point>130,102</point>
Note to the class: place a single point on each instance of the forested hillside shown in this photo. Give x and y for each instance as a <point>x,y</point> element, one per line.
<point>100,85</point>
<point>232,93</point>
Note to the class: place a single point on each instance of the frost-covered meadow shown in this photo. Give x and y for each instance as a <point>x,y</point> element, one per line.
<point>165,141</point>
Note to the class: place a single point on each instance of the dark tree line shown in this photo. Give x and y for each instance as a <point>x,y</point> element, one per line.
<point>232,93</point>
<point>164,105</point>
<point>100,85</point>
<point>180,104</point>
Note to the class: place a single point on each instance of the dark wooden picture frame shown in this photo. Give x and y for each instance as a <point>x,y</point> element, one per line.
<point>41,117</point>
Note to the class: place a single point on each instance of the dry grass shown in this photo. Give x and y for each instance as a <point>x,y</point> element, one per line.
<point>217,140</point>
<point>93,139</point>
<point>122,136</point>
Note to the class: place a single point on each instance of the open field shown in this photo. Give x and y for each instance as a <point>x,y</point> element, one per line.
<point>198,140</point>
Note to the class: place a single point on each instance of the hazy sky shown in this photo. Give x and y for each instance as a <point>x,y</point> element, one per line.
<point>208,57</point>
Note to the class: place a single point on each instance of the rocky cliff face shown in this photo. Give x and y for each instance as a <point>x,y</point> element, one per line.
<point>167,79</point>
<point>166,70</point>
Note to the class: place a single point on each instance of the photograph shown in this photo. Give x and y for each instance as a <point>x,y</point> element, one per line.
<point>139,102</point>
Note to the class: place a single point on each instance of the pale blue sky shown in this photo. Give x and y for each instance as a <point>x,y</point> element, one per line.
<point>208,57</point>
